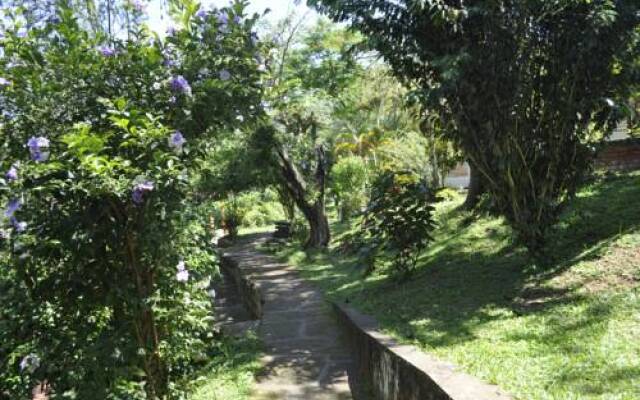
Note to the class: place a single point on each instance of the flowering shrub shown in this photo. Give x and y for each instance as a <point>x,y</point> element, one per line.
<point>105,269</point>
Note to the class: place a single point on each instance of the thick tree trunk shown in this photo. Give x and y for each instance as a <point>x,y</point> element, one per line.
<point>319,234</point>
<point>314,212</point>
<point>476,188</point>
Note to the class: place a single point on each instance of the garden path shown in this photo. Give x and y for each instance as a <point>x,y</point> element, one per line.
<point>305,357</point>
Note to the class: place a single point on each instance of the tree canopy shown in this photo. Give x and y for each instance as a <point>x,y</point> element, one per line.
<point>521,82</point>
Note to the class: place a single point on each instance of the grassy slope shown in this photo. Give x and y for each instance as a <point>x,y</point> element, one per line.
<point>566,331</point>
<point>233,378</point>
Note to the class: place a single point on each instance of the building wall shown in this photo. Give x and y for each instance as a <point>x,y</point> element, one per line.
<point>620,153</point>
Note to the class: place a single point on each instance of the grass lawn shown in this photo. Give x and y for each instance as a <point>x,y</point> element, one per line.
<point>568,330</point>
<point>232,378</point>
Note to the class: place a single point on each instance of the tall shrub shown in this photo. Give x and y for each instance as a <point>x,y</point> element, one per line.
<point>101,141</point>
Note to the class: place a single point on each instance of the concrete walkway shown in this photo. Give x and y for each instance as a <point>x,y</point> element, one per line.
<point>305,355</point>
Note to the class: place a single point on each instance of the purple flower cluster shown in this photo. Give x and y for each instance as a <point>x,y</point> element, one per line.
<point>12,174</point>
<point>38,148</point>
<point>182,275</point>
<point>172,31</point>
<point>4,82</point>
<point>201,13</point>
<point>12,207</point>
<point>139,191</point>
<point>223,21</point>
<point>168,61</point>
<point>107,51</point>
<point>19,226</point>
<point>225,75</point>
<point>180,85</point>
<point>177,140</point>
<point>138,5</point>
<point>223,17</point>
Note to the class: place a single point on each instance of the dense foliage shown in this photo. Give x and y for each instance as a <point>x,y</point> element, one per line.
<point>397,223</point>
<point>105,268</point>
<point>522,84</point>
<point>309,69</point>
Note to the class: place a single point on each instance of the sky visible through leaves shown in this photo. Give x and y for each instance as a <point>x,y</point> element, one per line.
<point>158,20</point>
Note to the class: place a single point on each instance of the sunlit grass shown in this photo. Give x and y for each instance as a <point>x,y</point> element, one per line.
<point>566,329</point>
<point>233,376</point>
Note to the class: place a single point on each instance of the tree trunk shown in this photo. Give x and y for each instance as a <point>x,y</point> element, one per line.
<point>319,234</point>
<point>314,213</point>
<point>476,188</point>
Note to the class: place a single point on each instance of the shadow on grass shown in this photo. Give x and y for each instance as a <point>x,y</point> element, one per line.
<point>472,270</point>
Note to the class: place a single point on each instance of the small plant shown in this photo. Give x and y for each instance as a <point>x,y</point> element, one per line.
<point>232,217</point>
<point>398,222</point>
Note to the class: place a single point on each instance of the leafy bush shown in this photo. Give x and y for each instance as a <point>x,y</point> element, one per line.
<point>232,215</point>
<point>348,179</point>
<point>250,209</point>
<point>105,267</point>
<point>263,214</point>
<point>447,194</point>
<point>398,222</point>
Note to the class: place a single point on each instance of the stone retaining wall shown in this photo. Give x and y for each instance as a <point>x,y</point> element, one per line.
<point>385,370</point>
<point>248,289</point>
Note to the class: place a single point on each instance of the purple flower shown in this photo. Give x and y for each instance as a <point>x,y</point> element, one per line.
<point>37,148</point>
<point>172,31</point>
<point>4,82</point>
<point>30,363</point>
<point>201,13</point>
<point>225,75</point>
<point>177,140</point>
<point>21,34</point>
<point>237,19</point>
<point>12,174</point>
<point>223,17</point>
<point>223,21</point>
<point>180,85</point>
<point>13,206</point>
<point>107,51</point>
<point>19,226</point>
<point>168,62</point>
<point>182,275</point>
<point>138,5</point>
<point>140,189</point>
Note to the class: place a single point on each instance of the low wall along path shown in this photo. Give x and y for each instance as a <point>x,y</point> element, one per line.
<point>305,356</point>
<point>318,351</point>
